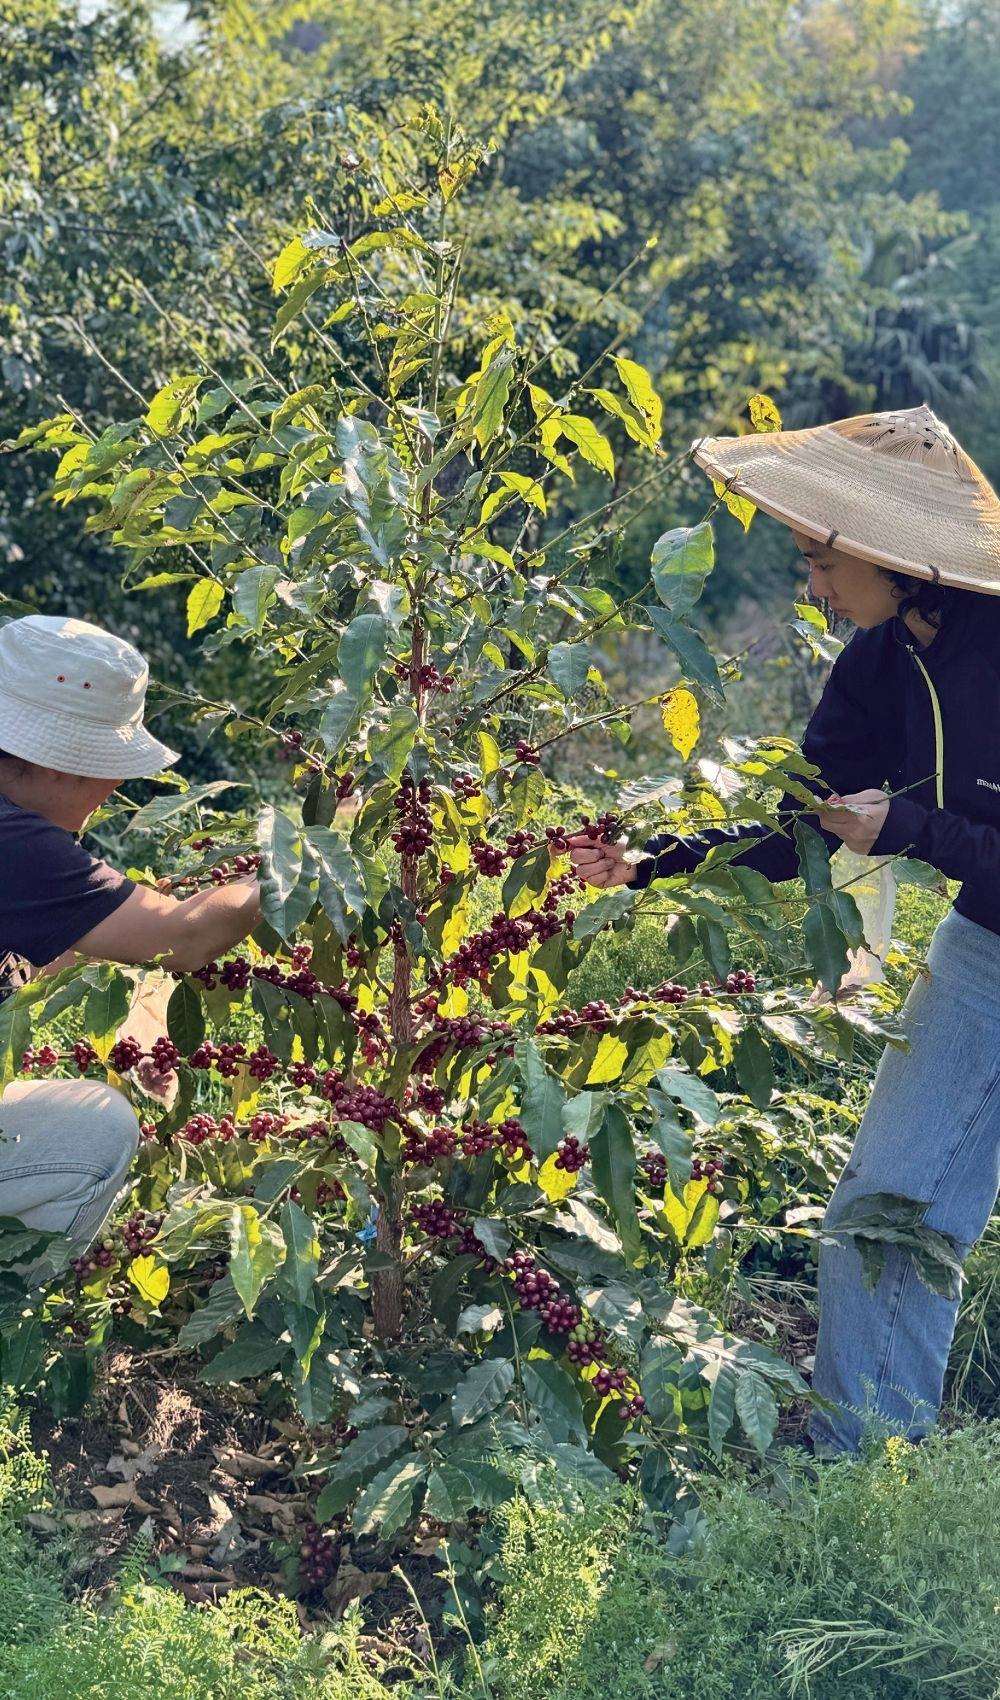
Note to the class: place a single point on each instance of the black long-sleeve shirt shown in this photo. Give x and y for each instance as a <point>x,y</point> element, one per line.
<point>874,726</point>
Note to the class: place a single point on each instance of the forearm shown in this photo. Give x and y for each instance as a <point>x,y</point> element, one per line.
<point>208,924</point>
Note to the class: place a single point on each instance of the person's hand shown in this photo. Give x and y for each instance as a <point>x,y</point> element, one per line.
<point>157,1083</point>
<point>600,862</point>
<point>860,822</point>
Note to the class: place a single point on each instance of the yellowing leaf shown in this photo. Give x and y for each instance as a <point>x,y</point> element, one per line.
<point>641,393</point>
<point>738,506</point>
<point>289,263</point>
<point>764,416</point>
<point>203,604</point>
<point>171,406</point>
<point>681,720</point>
<point>592,444</point>
<point>555,1183</point>
<point>150,1278</point>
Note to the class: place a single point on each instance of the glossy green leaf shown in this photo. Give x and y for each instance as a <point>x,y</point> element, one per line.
<point>681,562</point>
<point>542,1100</point>
<point>612,1163</point>
<point>256,1252</point>
<point>481,1389</point>
<point>298,1273</point>
<point>362,651</point>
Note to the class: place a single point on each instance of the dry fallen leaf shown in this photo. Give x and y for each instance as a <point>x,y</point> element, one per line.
<point>119,1496</point>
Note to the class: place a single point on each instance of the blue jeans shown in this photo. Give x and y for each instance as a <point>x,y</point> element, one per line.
<point>932,1132</point>
<point>66,1147</point>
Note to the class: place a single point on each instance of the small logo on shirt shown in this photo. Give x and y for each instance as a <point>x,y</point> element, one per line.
<point>991,784</point>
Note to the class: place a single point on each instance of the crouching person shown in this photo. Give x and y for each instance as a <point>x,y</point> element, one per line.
<point>71,731</point>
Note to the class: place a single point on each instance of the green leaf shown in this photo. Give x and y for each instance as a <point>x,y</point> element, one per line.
<point>254,1352</point>
<point>490,397</point>
<point>15,1037</point>
<point>223,1305</point>
<point>340,720</point>
<point>554,1394</point>
<point>681,562</point>
<point>569,664</point>
<point>336,1496</point>
<point>814,859</point>
<point>676,1146</point>
<point>282,848</point>
<point>256,1251</point>
<point>611,907</point>
<point>450,1494</point>
<point>390,744</point>
<point>185,1018</point>
<point>300,1269</point>
<point>659,1376</point>
<point>757,1410</point>
<point>542,1100</point>
<point>172,406</point>
<point>695,657</point>
<point>253,594</point>
<point>387,1502</point>
<point>826,945</point>
<point>168,808</point>
<point>371,1447</point>
<point>612,1164</point>
<point>754,1066</point>
<point>722,1406</point>
<point>362,650</point>
<point>203,603</point>
<point>481,1389</point>
<point>691,1091</point>
<point>107,1004</point>
<point>342,890</point>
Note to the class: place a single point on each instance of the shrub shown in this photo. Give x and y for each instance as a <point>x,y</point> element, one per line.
<point>878,1580</point>
<point>440,1205</point>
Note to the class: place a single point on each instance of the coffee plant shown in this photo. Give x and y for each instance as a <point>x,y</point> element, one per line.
<point>406,1188</point>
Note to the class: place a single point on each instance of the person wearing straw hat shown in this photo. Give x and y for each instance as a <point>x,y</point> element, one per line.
<point>71,731</point>
<point>902,534</point>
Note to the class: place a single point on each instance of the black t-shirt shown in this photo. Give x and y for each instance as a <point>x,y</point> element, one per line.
<point>51,892</point>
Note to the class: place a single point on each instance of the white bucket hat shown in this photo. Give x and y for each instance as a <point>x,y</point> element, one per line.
<point>71,698</point>
<point>893,488</point>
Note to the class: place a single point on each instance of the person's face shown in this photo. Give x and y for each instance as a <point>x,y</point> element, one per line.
<point>855,589</point>
<point>66,799</point>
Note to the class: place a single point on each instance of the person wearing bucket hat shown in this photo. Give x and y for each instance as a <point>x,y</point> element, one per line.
<point>71,730</point>
<point>901,531</point>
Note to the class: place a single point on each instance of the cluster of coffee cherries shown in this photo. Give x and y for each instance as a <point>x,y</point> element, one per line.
<point>667,992</point>
<point>414,832</point>
<point>317,1556</point>
<point>428,677</point>
<point>441,1221</point>
<point>597,1014</point>
<point>237,972</point>
<point>710,1168</point>
<point>245,862</point>
<point>475,957</point>
<point>605,827</point>
<point>608,1381</point>
<point>457,1033</point>
<point>526,753</point>
<point>134,1236</point>
<point>508,1137</point>
<point>571,1155</point>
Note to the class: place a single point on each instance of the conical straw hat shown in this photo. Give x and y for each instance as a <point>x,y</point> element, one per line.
<point>893,488</point>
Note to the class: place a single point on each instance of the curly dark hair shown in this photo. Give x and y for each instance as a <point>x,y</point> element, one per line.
<point>923,596</point>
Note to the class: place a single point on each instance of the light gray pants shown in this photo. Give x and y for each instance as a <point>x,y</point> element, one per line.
<point>66,1147</point>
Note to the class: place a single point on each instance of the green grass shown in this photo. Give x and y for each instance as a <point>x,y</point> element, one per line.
<point>880,1580</point>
